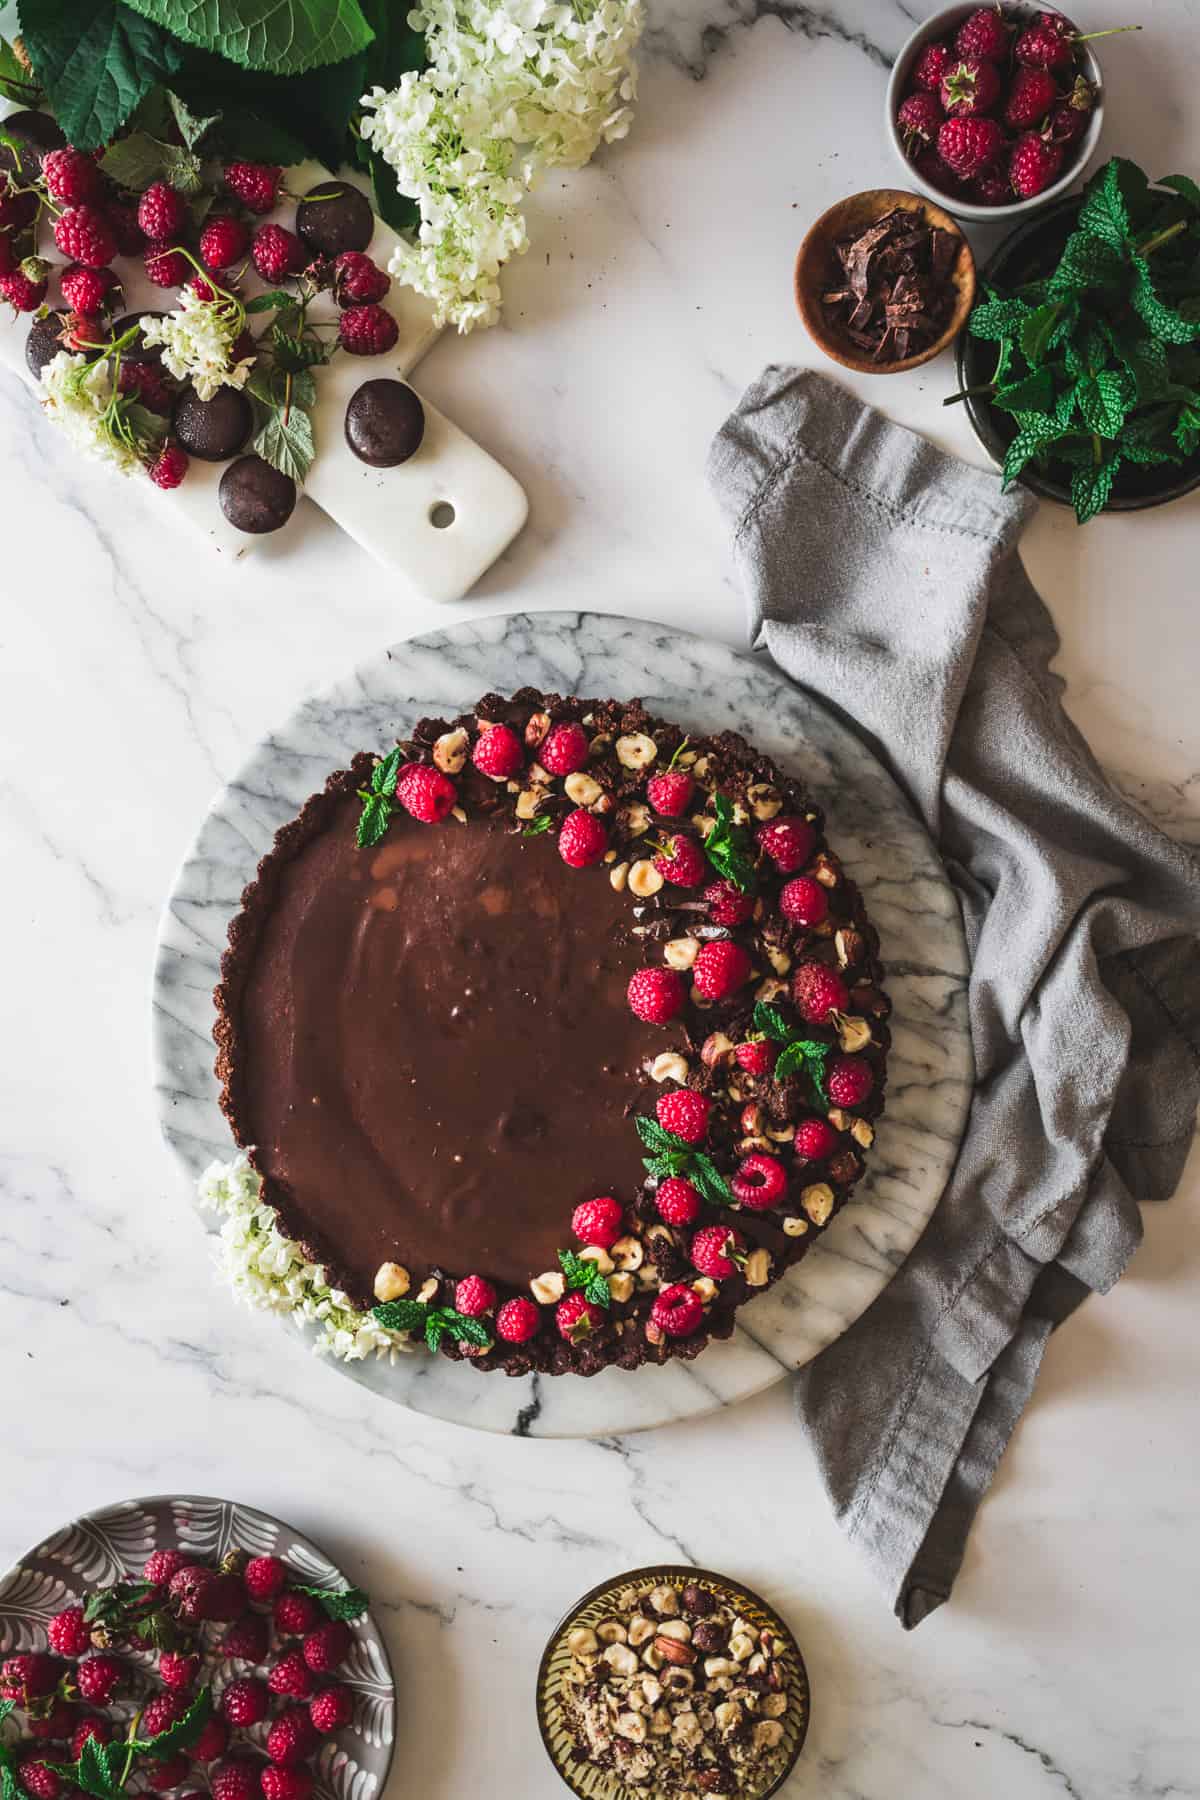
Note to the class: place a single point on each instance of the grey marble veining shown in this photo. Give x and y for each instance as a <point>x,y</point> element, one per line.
<point>706,687</point>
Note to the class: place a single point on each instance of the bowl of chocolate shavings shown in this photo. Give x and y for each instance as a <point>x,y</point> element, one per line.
<point>885,280</point>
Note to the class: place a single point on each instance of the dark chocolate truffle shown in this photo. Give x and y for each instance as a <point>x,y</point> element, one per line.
<point>43,344</point>
<point>385,423</point>
<point>343,222</point>
<point>255,497</point>
<point>137,351</point>
<point>214,430</point>
<point>33,133</point>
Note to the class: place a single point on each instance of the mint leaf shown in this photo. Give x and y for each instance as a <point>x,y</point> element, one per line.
<point>346,1604</point>
<point>373,820</point>
<point>435,1331</point>
<point>771,1022</point>
<point>1184,186</point>
<point>707,1178</point>
<point>1035,433</point>
<point>1146,361</point>
<point>1174,327</point>
<point>654,1137</point>
<point>1104,400</point>
<point>1035,393</point>
<point>1036,331</point>
<point>584,1276</point>
<point>728,847</point>
<point>1104,213</point>
<point>1091,487</point>
<point>538,826</point>
<point>1187,428</point>
<point>286,442</point>
<point>1087,262</point>
<point>96,63</point>
<point>401,1315</point>
<point>996,318</point>
<point>385,773</point>
<point>280,37</point>
<point>6,1706</point>
<point>178,1736</point>
<point>804,1056</point>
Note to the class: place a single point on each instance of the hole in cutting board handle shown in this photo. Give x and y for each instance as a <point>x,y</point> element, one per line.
<point>441,514</point>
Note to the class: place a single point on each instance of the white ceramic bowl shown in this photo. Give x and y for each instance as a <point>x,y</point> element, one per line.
<point>944,24</point>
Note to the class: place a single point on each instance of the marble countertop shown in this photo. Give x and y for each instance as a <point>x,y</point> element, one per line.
<point>135,674</point>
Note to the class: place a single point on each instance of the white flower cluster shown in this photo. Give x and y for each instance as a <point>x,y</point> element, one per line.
<point>78,394</point>
<point>270,1272</point>
<point>513,85</point>
<point>198,341</point>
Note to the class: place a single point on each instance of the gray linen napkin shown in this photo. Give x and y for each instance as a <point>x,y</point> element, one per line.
<point>883,576</point>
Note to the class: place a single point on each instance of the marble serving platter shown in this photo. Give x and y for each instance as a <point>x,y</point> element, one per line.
<point>437,521</point>
<point>706,687</point>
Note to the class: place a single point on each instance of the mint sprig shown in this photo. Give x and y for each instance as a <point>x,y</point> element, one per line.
<point>435,1322</point>
<point>377,810</point>
<point>538,826</point>
<point>103,1769</point>
<point>729,847</point>
<point>344,1603</point>
<point>585,1277</point>
<point>800,1054</point>
<point>671,1155</point>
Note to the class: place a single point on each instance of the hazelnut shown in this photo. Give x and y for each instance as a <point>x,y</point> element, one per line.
<point>654,1335</point>
<point>768,1734</point>
<point>628,1254</point>
<point>700,768</point>
<point>594,1254</point>
<point>849,947</point>
<point>697,1600</point>
<point>779,959</point>
<point>630,1725</point>
<point>775,1705</point>
<point>765,800</point>
<point>793,1227</point>
<point>536,727</point>
<point>752,1118</point>
<point>664,1600</point>
<point>660,1722</point>
<point>728,1717</point>
<point>770,989</point>
<point>582,789</point>
<point>709,1637</point>
<point>741,1646</point>
<point>838,1119</point>
<point>634,819</point>
<point>528,801</point>
<point>758,1268</point>
<point>707,1289</point>
<point>817,1201</point>
<point>392,1281</point>
<point>620,1286</point>
<point>599,744</point>
<point>670,1066</point>
<point>716,1050</point>
<point>681,953</point>
<point>427,1291</point>
<point>719,1665</point>
<point>825,871</point>
<point>652,1657</point>
<point>853,1034</point>
<point>618,876</point>
<point>548,1288</point>
<point>686,1731</point>
<point>781,1134</point>
<point>636,751</point>
<point>644,879</point>
<point>679,1629</point>
<point>641,1630</point>
<point>582,1642</point>
<point>459,813</point>
<point>621,1659</point>
<point>611,1631</point>
<point>450,751</point>
<point>863,1133</point>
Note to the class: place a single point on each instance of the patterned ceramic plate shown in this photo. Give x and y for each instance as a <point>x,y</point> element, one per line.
<point>593,1783</point>
<point>113,1543</point>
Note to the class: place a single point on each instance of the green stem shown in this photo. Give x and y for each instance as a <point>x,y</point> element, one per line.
<point>1085,37</point>
<point>1097,449</point>
<point>1162,237</point>
<point>986,387</point>
<point>133,1731</point>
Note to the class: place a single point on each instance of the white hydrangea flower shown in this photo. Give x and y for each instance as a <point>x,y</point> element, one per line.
<point>77,394</point>
<point>270,1272</point>
<point>512,86</point>
<point>198,341</point>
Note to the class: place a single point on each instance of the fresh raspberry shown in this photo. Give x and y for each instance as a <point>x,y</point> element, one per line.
<point>789,842</point>
<point>756,1056</point>
<point>189,1589</point>
<point>849,1081</point>
<point>95,1726</point>
<point>670,792</point>
<point>245,1701</point>
<point>678,1311</point>
<point>160,1712</point>
<point>131,239</point>
<point>932,169</point>
<point>1034,165</point>
<point>70,175</point>
<point>563,750</point>
<point>517,1321</point>
<point>59,1721</point>
<point>203,290</point>
<point>276,252</point>
<point>577,1318</point>
<point>212,1742</point>
<point>68,1633</point>
<point>226,1598</point>
<point>284,1784</point>
<point>296,1613</point>
<point>166,267</point>
<point>170,1773</point>
<point>327,1648</point>
<point>237,1779</point>
<point>720,969</point>
<point>162,213</point>
<point>247,1639</point>
<point>333,1707</point>
<point>178,1669</point>
<point>985,33</point>
<point>930,67</point>
<point>223,242</point>
<point>98,1677</point>
<point>656,995</point>
<point>39,1779</point>
<point>169,467</point>
<point>727,905</point>
<point>992,188</point>
<point>291,1676</point>
<point>29,1676</point>
<point>1030,96</point>
<point>1069,119</point>
<point>22,291</point>
<point>425,793</point>
<point>473,1297</point>
<point>256,185</point>
<point>357,281</point>
<point>919,119</point>
<point>677,1201</point>
<point>498,753</point>
<point>970,87</point>
<point>760,1182</point>
<point>682,861</point>
<point>804,901</point>
<point>716,1251</point>
<point>147,381</point>
<point>814,1140</point>
<point>967,146</point>
<point>684,1114</point>
<point>582,839</point>
<point>292,1738</point>
<point>85,235</point>
<point>817,991</point>
<point>8,261</point>
<point>598,1222</point>
<point>367,331</point>
<point>265,1578</point>
<point>1049,43</point>
<point>88,291</point>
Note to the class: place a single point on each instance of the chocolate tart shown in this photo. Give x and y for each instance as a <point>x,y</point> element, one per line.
<point>426,1048</point>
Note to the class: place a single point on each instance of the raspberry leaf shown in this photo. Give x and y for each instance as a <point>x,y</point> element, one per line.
<point>178,1736</point>
<point>729,847</point>
<point>285,440</point>
<point>280,37</point>
<point>96,64</point>
<point>16,82</point>
<point>101,1769</point>
<point>270,302</point>
<point>345,1603</point>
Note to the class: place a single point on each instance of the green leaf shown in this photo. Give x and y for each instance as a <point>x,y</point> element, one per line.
<point>585,1277</point>
<point>1036,330</point>
<point>1035,432</point>
<point>401,1315</point>
<point>728,847</point>
<point>1174,327</point>
<point>294,353</point>
<point>707,1178</point>
<point>997,318</point>
<point>385,773</point>
<point>1146,361</point>
<point>1091,486</point>
<point>347,1603</point>
<point>16,82</point>
<point>1087,262</point>
<point>468,1331</point>
<point>193,128</point>
<point>96,65</point>
<point>538,826</point>
<point>1104,400</point>
<point>372,824</point>
<point>771,1022</point>
<point>435,1331</point>
<point>247,131</point>
<point>1034,393</point>
<point>655,1137</point>
<point>1184,186</point>
<point>804,1056</point>
<point>281,37</point>
<point>6,1706</point>
<point>134,161</point>
<point>1104,214</point>
<point>398,210</point>
<point>270,302</point>
<point>178,1736</point>
<point>1187,429</point>
<point>287,443</point>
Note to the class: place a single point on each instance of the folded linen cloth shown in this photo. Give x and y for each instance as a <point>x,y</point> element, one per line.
<point>883,576</point>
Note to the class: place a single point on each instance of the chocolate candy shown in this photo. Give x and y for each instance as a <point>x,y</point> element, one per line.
<point>34,133</point>
<point>255,497</point>
<point>137,351</point>
<point>42,345</point>
<point>214,430</point>
<point>385,423</point>
<point>344,221</point>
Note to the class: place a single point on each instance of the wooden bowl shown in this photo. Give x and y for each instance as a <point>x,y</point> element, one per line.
<point>818,270</point>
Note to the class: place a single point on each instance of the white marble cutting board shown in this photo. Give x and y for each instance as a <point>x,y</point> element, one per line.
<point>707,688</point>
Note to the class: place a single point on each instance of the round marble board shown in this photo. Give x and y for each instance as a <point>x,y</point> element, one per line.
<point>705,687</point>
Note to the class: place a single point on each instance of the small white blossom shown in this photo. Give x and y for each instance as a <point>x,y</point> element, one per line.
<point>198,341</point>
<point>77,394</point>
<point>270,1271</point>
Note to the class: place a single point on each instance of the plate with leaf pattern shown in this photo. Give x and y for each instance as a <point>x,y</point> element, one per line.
<point>112,1544</point>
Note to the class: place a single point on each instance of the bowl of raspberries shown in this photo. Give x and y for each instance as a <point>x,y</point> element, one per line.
<point>192,1648</point>
<point>995,110</point>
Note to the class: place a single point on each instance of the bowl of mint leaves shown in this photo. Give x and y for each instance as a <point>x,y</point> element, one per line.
<point>1080,367</point>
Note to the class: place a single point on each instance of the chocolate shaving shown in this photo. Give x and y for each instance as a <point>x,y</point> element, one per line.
<point>898,291</point>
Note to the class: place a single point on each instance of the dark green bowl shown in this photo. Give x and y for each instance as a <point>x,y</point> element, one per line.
<point>1026,254</point>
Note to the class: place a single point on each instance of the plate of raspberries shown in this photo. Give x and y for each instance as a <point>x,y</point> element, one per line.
<point>193,1648</point>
